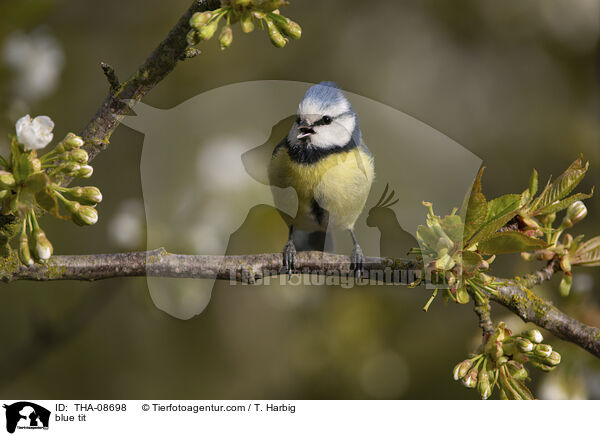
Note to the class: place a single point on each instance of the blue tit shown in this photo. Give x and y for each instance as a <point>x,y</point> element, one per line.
<point>324,159</point>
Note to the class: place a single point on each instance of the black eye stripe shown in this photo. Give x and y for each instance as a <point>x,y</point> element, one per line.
<point>326,120</point>
<point>323,121</point>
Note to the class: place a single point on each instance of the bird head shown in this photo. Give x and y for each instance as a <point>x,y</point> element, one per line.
<point>325,119</point>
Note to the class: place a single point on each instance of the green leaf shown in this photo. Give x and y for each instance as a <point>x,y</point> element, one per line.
<point>47,201</point>
<point>533,183</point>
<point>492,227</point>
<point>15,150</point>
<point>36,182</point>
<point>500,211</point>
<point>565,285</point>
<point>563,204</point>
<point>588,253</point>
<point>427,237</point>
<point>510,242</point>
<point>471,260</point>
<point>22,167</point>
<point>462,296</point>
<point>501,206</point>
<point>562,186</point>
<point>476,209</point>
<point>445,262</point>
<point>453,226</point>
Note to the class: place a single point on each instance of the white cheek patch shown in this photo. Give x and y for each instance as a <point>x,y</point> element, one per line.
<point>338,133</point>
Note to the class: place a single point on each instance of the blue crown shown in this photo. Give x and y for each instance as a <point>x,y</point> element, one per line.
<point>325,92</point>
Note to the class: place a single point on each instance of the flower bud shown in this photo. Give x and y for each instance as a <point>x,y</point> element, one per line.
<point>575,213</point>
<point>85,172</point>
<point>36,165</point>
<point>542,350</point>
<point>470,380</point>
<point>70,168</point>
<point>553,359</point>
<point>4,193</point>
<point>7,180</point>
<point>226,37</point>
<point>24,252</point>
<point>247,22</point>
<point>516,370</point>
<point>72,141</point>
<point>289,28</point>
<point>542,366</point>
<point>461,369</point>
<point>91,194</point>
<point>88,195</point>
<point>199,19</point>
<point>207,31</point>
<point>85,216</point>
<point>533,335</point>
<point>78,155</point>
<point>524,345</point>
<point>42,246</point>
<point>483,385</point>
<point>275,35</point>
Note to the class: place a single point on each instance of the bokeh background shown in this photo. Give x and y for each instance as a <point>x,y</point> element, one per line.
<point>516,83</point>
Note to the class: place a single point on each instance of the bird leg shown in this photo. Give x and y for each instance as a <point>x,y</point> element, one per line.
<point>357,258</point>
<point>289,254</point>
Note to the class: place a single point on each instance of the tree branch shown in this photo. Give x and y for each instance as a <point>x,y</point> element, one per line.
<point>161,62</point>
<point>160,263</point>
<point>163,59</point>
<point>515,295</point>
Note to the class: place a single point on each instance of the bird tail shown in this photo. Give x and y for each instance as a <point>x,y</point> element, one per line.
<point>314,241</point>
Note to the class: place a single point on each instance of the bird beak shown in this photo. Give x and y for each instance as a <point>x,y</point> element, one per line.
<point>305,131</point>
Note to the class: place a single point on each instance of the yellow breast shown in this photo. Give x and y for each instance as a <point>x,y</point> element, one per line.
<point>339,183</point>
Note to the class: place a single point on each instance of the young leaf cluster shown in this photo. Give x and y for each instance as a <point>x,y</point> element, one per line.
<point>265,13</point>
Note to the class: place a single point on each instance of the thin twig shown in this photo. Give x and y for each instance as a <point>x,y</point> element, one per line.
<point>111,76</point>
<point>517,296</point>
<point>483,311</point>
<point>161,62</point>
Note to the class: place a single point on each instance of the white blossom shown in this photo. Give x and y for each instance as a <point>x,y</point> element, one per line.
<point>35,133</point>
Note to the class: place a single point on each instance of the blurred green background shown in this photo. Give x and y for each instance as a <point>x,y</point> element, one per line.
<point>516,83</point>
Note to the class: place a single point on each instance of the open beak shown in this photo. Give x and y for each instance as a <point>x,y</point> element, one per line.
<point>305,131</point>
